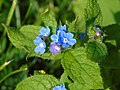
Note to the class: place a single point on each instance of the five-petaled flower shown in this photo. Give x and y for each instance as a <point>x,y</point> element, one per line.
<point>63,38</point>
<point>44,32</point>
<point>60,28</point>
<point>55,48</point>
<point>40,48</point>
<point>61,87</point>
<point>66,39</point>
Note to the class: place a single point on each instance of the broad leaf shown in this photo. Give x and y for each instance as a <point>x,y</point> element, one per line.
<point>38,82</point>
<point>77,86</point>
<point>82,70</point>
<point>112,41</point>
<point>110,11</point>
<point>96,51</point>
<point>112,32</point>
<point>24,37</point>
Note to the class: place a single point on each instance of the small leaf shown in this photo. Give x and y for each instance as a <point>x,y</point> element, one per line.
<point>50,21</point>
<point>81,69</point>
<point>93,14</point>
<point>72,26</point>
<point>96,51</point>
<point>38,82</point>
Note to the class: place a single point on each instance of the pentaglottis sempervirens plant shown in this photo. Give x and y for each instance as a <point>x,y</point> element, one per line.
<point>83,56</point>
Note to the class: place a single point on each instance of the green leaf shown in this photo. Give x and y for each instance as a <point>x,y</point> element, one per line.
<point>30,31</point>
<point>78,9</point>
<point>93,14</point>
<point>110,11</point>
<point>64,78</point>
<point>46,55</point>
<point>77,86</point>
<point>50,21</point>
<point>81,69</point>
<point>24,37</point>
<point>113,59</point>
<point>72,26</point>
<point>96,51</point>
<point>38,82</point>
<point>112,32</point>
<point>112,41</point>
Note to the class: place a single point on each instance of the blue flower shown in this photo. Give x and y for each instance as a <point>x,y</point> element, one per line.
<point>82,35</point>
<point>60,28</point>
<point>55,48</point>
<point>61,87</point>
<point>44,32</point>
<point>40,48</point>
<point>55,38</point>
<point>66,39</point>
<point>97,28</point>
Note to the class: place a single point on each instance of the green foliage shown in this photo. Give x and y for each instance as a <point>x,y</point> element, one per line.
<point>50,21</point>
<point>24,37</point>
<point>48,56</point>
<point>110,11</point>
<point>77,86</point>
<point>96,51</point>
<point>64,78</point>
<point>112,42</point>
<point>93,63</point>
<point>38,82</point>
<point>112,32</point>
<point>72,26</point>
<point>93,14</point>
<point>82,70</point>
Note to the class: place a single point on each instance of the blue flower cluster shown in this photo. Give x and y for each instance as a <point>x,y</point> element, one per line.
<point>62,39</point>
<point>41,45</point>
<point>61,87</point>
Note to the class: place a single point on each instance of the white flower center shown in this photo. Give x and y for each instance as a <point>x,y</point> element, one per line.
<point>57,40</point>
<point>65,40</point>
<point>41,45</point>
<point>57,48</point>
<point>45,34</point>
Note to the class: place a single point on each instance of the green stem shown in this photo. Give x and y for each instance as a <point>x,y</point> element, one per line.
<point>17,12</point>
<point>5,64</point>
<point>14,72</point>
<point>11,13</point>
